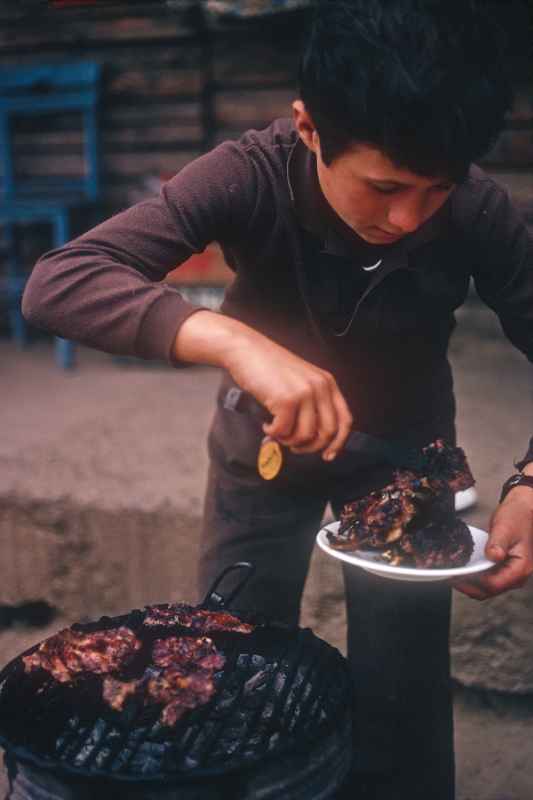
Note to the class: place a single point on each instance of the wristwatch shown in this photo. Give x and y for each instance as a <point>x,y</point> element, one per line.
<point>516,480</point>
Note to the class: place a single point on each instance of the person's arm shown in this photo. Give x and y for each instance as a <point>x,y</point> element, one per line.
<point>504,280</point>
<point>510,545</point>
<point>309,412</point>
<point>104,288</point>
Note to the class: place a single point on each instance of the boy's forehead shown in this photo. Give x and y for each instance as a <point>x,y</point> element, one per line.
<point>366,160</point>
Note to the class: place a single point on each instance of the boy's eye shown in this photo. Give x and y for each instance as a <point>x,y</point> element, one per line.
<point>385,188</point>
<point>392,188</point>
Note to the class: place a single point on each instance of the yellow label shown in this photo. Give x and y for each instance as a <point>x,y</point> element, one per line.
<point>270,459</point>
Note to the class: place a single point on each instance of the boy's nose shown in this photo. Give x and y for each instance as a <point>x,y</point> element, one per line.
<point>406,214</point>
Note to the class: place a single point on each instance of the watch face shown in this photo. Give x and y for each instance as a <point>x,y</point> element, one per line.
<point>509,484</point>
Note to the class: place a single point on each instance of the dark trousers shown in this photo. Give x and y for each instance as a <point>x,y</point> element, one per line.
<point>397,632</point>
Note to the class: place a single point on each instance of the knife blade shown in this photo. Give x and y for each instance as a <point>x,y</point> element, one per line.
<point>394,452</point>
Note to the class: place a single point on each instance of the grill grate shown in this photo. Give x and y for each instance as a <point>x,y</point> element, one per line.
<point>280,689</point>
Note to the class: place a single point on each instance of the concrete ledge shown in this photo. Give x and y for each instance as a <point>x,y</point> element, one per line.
<point>87,561</point>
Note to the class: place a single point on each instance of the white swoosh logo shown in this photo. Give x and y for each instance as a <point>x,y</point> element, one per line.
<point>374,266</point>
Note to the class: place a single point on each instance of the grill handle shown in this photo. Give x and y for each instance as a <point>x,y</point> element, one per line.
<point>215,600</point>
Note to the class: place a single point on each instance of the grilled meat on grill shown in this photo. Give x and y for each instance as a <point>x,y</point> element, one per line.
<point>283,692</point>
<point>199,620</point>
<point>179,675</point>
<point>186,680</point>
<point>180,690</point>
<point>116,692</point>
<point>70,653</point>
<point>172,674</point>
<point>410,521</point>
<point>181,678</point>
<point>187,652</point>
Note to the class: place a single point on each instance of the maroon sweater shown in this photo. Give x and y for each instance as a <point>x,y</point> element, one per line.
<point>298,277</point>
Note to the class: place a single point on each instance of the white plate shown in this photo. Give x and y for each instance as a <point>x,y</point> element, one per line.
<point>370,561</point>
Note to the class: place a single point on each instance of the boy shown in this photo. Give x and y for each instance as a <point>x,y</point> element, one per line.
<point>353,232</point>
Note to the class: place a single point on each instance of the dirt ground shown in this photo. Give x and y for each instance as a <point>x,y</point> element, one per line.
<point>494,731</point>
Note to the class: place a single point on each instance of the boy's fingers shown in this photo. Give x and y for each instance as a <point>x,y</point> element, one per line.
<point>470,589</point>
<point>501,539</point>
<point>512,574</point>
<point>304,432</point>
<point>344,426</point>
<point>326,423</point>
<point>282,423</point>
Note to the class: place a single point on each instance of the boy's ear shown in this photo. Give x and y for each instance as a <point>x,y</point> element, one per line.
<point>305,126</point>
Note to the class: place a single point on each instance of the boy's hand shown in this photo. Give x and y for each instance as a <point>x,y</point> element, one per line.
<point>510,545</point>
<point>309,412</point>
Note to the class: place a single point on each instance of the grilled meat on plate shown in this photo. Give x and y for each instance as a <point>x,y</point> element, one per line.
<point>448,464</point>
<point>410,521</point>
<point>439,544</point>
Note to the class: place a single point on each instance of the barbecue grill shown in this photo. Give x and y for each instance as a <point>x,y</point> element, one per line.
<point>277,726</point>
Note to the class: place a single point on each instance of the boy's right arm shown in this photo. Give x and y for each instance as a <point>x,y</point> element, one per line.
<point>309,413</point>
<point>105,290</point>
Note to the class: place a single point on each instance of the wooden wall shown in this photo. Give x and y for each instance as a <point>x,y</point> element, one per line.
<point>172,89</point>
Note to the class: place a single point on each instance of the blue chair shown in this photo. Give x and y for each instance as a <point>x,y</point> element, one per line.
<point>38,91</point>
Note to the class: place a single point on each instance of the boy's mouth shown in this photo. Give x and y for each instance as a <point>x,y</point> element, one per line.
<point>387,235</point>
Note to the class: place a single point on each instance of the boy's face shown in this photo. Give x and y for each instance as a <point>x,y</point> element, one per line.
<point>378,200</point>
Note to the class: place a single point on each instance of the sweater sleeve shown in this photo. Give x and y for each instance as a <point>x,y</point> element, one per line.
<point>104,288</point>
<point>503,264</point>
<point>503,268</point>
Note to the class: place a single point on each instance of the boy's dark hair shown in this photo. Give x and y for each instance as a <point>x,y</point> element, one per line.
<point>422,80</point>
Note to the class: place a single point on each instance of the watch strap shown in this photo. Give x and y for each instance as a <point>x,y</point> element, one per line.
<point>516,480</point>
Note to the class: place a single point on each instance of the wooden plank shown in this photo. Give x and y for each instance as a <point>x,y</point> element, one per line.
<point>160,83</point>
<point>188,56</point>
<point>115,163</point>
<point>39,142</point>
<point>137,128</point>
<point>53,153</point>
<point>67,42</point>
<point>155,138</point>
<point>165,114</point>
<point>64,165</point>
<point>114,56</point>
<point>255,63</point>
<point>48,13</point>
<point>107,9</point>
<point>243,110</point>
<point>63,28</point>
